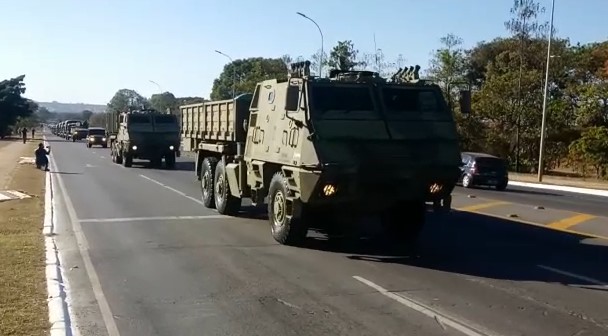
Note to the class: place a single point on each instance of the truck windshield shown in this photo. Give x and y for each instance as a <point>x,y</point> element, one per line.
<point>405,103</point>
<point>97,132</point>
<point>165,119</point>
<point>342,102</point>
<point>139,119</point>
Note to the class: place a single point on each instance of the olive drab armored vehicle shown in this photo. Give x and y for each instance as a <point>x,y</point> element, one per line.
<point>143,134</point>
<point>324,151</point>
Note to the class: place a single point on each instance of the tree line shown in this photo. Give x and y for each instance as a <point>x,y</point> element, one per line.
<point>507,79</point>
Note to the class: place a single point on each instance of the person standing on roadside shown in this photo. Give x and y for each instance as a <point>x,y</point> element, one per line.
<point>33,133</point>
<point>24,134</point>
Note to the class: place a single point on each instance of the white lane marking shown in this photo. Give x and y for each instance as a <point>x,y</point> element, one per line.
<point>142,219</point>
<point>173,189</point>
<point>90,166</point>
<point>83,246</point>
<point>103,157</point>
<point>94,152</point>
<point>441,318</point>
<point>575,276</point>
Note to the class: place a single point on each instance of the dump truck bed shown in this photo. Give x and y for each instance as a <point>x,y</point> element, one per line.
<point>214,122</point>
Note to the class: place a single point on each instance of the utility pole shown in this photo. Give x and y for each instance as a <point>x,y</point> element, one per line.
<point>320,32</point>
<point>233,72</point>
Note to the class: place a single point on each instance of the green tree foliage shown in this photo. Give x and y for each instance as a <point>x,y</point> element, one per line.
<point>98,120</point>
<point>591,150</point>
<point>125,100</point>
<point>344,56</point>
<point>13,106</point>
<point>246,73</point>
<point>163,102</point>
<point>86,115</point>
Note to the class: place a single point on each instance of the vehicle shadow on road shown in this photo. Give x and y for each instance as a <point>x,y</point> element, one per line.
<point>179,166</point>
<point>483,246</point>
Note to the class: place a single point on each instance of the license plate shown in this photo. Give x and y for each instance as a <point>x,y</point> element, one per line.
<point>492,182</point>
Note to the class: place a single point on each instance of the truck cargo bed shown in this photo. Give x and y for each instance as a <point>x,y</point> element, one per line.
<point>214,121</point>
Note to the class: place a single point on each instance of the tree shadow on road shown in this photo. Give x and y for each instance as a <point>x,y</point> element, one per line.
<point>482,246</point>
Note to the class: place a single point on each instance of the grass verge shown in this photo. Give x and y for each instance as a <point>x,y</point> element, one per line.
<point>23,296</point>
<point>561,180</point>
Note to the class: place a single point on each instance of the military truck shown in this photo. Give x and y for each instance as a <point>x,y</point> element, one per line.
<point>143,134</point>
<point>328,151</point>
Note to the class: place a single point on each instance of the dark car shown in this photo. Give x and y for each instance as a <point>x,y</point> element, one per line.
<point>480,169</point>
<point>97,137</point>
<point>79,134</point>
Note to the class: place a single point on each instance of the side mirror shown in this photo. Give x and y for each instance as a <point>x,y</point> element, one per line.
<point>292,99</point>
<point>465,101</point>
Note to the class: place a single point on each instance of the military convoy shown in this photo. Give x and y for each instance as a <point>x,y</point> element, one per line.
<point>328,151</point>
<point>66,128</point>
<point>143,134</point>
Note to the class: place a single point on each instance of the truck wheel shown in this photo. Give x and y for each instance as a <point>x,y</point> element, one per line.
<point>405,220</point>
<point>207,175</point>
<point>104,146</point>
<point>127,160</point>
<point>170,161</point>
<point>285,229</point>
<point>225,203</point>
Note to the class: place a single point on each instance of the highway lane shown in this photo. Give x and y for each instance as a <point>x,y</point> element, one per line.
<point>163,275</point>
<point>590,204</point>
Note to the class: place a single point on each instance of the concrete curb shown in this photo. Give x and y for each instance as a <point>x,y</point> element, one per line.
<point>587,191</point>
<point>59,316</point>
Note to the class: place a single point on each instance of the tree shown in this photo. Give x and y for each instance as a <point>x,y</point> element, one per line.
<point>97,120</point>
<point>523,24</point>
<point>246,73</point>
<point>591,150</point>
<point>86,115</point>
<point>447,66</point>
<point>126,99</point>
<point>316,59</point>
<point>13,105</point>
<point>44,114</point>
<point>163,102</point>
<point>344,56</point>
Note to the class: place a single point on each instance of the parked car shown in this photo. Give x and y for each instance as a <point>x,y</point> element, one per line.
<point>481,169</point>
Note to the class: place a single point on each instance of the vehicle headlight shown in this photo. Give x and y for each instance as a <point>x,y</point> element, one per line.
<point>103,139</point>
<point>134,147</point>
<point>171,148</point>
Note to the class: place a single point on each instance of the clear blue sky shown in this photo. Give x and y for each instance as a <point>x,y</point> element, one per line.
<point>85,50</point>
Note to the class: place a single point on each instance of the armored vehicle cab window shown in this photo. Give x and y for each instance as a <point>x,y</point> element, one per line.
<point>97,132</point>
<point>342,102</point>
<point>407,101</point>
<point>165,119</point>
<point>139,119</point>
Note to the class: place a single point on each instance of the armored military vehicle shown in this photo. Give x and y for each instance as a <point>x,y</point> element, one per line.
<point>143,134</point>
<point>324,149</point>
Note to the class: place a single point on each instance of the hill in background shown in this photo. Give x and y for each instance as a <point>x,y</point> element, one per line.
<point>71,107</point>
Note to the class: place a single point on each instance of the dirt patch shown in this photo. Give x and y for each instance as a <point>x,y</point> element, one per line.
<point>561,180</point>
<point>23,295</point>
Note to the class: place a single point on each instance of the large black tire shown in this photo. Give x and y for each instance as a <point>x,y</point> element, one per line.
<point>405,220</point>
<point>285,229</point>
<point>170,160</point>
<point>225,203</point>
<point>207,179</point>
<point>127,160</point>
<point>104,146</point>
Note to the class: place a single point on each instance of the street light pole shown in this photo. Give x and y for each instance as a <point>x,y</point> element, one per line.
<point>546,92</point>
<point>320,32</point>
<point>233,72</point>
<point>160,90</point>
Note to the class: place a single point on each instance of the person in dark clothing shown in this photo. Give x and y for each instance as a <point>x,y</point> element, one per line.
<point>24,134</point>
<point>33,133</point>
<point>41,157</point>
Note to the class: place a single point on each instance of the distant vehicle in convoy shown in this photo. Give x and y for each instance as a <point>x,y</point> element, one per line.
<point>79,134</point>
<point>143,134</point>
<point>97,137</point>
<point>327,151</point>
<point>481,169</point>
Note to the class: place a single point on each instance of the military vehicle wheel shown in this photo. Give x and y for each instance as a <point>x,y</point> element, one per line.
<point>501,186</point>
<point>170,161</point>
<point>466,181</point>
<point>118,158</point>
<point>104,146</point>
<point>285,229</point>
<point>207,174</point>
<point>225,203</point>
<point>404,221</point>
<point>127,160</point>
<point>89,145</point>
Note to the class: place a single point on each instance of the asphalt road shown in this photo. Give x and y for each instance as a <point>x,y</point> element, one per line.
<point>590,204</point>
<point>136,268</point>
